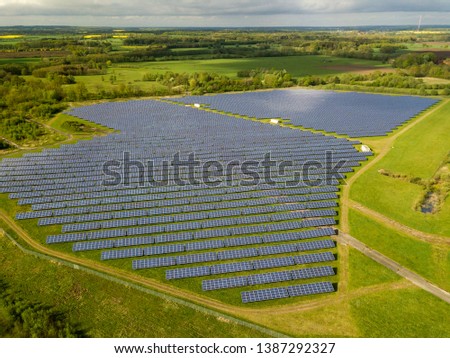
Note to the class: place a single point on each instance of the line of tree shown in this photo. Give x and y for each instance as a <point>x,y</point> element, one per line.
<point>23,318</point>
<point>204,82</point>
<point>423,64</point>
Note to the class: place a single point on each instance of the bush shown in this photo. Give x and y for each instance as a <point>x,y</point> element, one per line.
<point>26,319</point>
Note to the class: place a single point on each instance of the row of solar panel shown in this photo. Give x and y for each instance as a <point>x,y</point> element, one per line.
<point>108,148</point>
<point>111,149</point>
<point>144,230</point>
<point>311,150</point>
<point>265,278</point>
<point>107,183</point>
<point>171,209</point>
<point>94,172</point>
<point>285,292</point>
<point>185,201</point>
<point>230,242</point>
<point>206,223</point>
<point>70,194</point>
<point>252,190</point>
<point>61,181</point>
<point>234,254</point>
<point>233,267</point>
<point>293,163</point>
<point>119,144</point>
<point>178,192</point>
<point>216,244</point>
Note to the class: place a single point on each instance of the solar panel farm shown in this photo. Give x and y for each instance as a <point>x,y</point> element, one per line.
<point>293,212</point>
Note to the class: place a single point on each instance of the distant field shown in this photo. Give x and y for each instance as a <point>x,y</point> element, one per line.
<point>417,153</point>
<point>424,46</point>
<point>10,37</point>
<point>296,65</point>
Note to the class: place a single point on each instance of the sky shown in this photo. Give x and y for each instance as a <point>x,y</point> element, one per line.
<point>221,13</point>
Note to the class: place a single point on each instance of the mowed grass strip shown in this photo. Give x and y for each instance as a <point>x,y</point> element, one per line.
<point>401,313</point>
<point>363,271</point>
<point>417,153</point>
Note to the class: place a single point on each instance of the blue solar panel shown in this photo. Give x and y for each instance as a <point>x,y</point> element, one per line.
<point>241,241</point>
<point>160,250</point>
<point>269,278</point>
<point>369,115</point>
<point>151,263</point>
<point>187,272</point>
<point>237,254</point>
<point>121,254</point>
<point>231,267</point>
<point>221,283</point>
<point>194,258</point>
<point>204,245</point>
<point>278,249</point>
<point>312,272</point>
<point>264,295</point>
<point>275,262</point>
<point>310,289</point>
<point>310,258</point>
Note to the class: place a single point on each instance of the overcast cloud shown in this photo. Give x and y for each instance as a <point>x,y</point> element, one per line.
<point>223,13</point>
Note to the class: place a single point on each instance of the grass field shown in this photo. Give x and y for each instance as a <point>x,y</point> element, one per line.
<point>429,261</point>
<point>297,66</point>
<point>403,313</point>
<point>364,272</point>
<point>418,153</point>
<point>104,308</point>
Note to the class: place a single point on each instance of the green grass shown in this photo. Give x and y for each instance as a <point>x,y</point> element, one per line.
<point>363,271</point>
<point>402,313</point>
<point>430,261</point>
<point>98,83</point>
<point>104,308</point>
<point>296,65</point>
<point>91,128</point>
<point>417,153</point>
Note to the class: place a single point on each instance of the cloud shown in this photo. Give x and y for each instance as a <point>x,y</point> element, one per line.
<point>191,8</point>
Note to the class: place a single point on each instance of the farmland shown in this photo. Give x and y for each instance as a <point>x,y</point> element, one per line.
<point>150,251</point>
